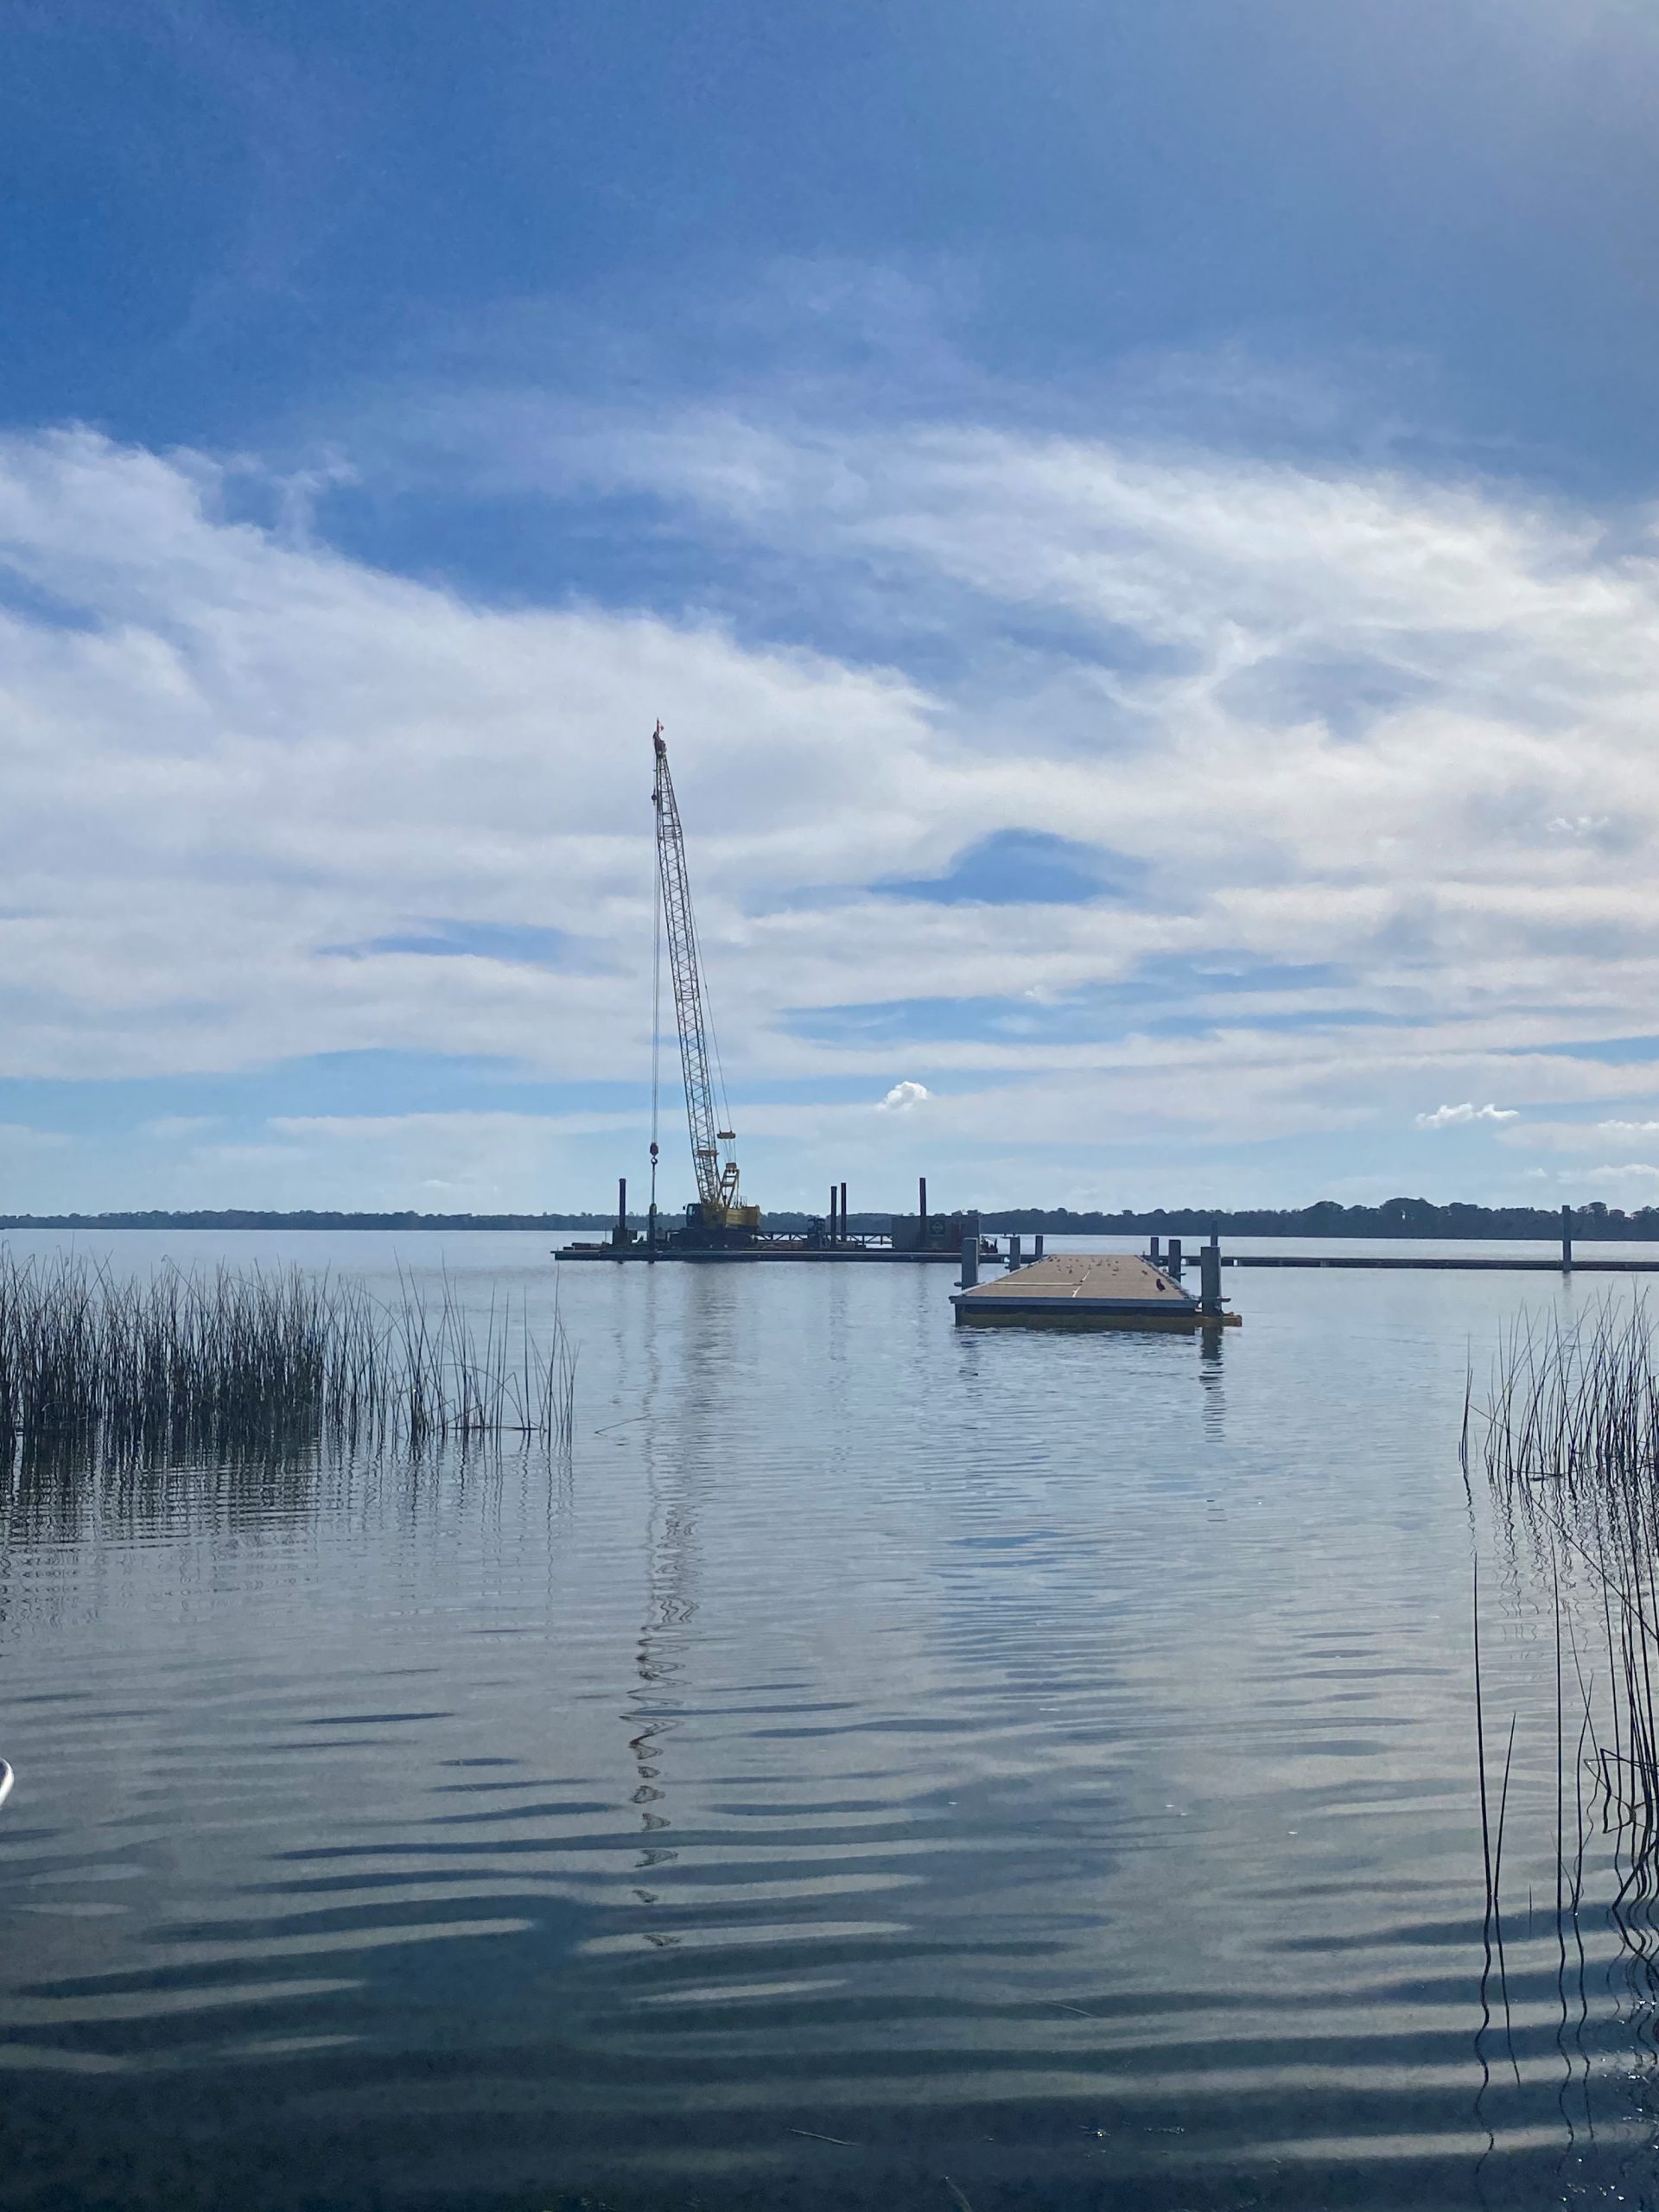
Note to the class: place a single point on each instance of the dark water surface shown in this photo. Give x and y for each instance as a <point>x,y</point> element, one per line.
<point>887,1766</point>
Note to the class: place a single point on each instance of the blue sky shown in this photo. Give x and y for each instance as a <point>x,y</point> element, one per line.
<point>1138,520</point>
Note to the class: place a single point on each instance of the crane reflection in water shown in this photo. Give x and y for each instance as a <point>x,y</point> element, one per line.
<point>674,1495</point>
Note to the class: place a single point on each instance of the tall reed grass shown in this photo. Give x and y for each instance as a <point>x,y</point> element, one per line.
<point>1568,1441</point>
<point>247,1362</point>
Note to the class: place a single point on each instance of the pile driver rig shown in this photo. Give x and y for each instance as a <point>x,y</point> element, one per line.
<point>719,1215</point>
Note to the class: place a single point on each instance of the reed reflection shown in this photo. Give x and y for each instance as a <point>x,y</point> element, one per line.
<point>69,1491</point>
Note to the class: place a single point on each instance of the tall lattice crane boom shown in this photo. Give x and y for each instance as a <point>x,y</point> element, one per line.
<point>712,1154</point>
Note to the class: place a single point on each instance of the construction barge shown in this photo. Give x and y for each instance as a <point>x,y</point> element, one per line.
<point>758,1254</point>
<point>932,1239</point>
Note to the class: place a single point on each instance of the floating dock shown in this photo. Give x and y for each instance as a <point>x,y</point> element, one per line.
<point>1087,1290</point>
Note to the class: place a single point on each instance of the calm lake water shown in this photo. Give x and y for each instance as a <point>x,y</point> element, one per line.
<point>886,1766</point>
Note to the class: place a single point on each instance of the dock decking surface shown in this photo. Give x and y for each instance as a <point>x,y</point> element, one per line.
<point>1114,1275</point>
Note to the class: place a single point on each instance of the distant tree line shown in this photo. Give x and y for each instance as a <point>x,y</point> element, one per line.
<point>1394,1218</point>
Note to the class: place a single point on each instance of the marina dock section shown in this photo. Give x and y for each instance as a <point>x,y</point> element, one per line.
<point>1476,1263</point>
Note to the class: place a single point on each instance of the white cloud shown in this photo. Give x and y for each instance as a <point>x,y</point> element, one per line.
<point>1446,1117</point>
<point>1378,746</point>
<point>903,1096</point>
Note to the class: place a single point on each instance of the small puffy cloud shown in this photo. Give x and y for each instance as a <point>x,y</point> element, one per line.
<point>1448,1118</point>
<point>903,1096</point>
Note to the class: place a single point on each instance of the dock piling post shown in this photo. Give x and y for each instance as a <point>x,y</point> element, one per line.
<point>1036,1246</point>
<point>1151,1251</point>
<point>1014,1253</point>
<point>1566,1240</point>
<point>843,1213</point>
<point>1210,1279</point>
<point>621,1237</point>
<point>969,1262</point>
<point>832,1213</point>
<point>1174,1267</point>
<point>921,1213</point>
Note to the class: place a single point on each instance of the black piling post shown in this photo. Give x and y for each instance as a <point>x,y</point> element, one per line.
<point>621,1237</point>
<point>1210,1279</point>
<point>843,1213</point>
<point>1566,1240</point>
<point>921,1207</point>
<point>1174,1267</point>
<point>1151,1251</point>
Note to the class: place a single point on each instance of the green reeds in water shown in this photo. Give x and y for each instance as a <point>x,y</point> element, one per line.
<point>240,1363</point>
